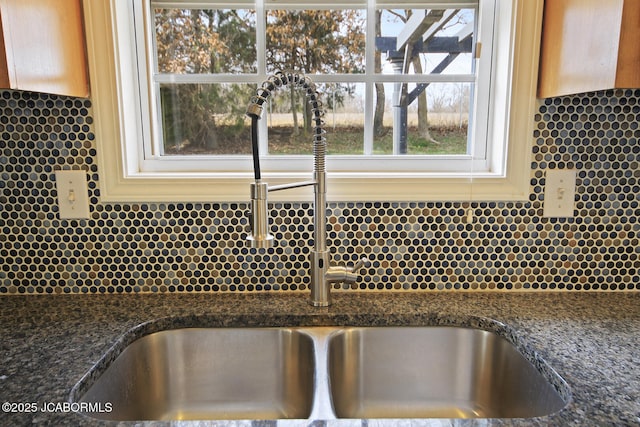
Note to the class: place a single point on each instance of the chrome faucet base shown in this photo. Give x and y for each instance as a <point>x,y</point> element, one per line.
<point>319,303</point>
<point>320,287</point>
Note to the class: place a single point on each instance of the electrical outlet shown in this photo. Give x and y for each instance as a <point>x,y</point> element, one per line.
<point>559,193</point>
<point>73,197</point>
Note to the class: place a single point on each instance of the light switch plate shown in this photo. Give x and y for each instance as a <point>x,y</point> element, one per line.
<point>73,195</point>
<point>559,193</point>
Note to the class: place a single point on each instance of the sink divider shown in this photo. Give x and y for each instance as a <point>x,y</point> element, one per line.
<point>322,408</point>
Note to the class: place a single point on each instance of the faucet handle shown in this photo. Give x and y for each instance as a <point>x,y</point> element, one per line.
<point>362,262</point>
<point>337,274</point>
<point>352,272</point>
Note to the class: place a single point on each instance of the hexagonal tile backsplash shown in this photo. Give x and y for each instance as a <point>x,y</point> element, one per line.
<point>198,247</point>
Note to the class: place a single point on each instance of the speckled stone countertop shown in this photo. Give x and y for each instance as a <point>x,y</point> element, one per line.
<point>47,343</point>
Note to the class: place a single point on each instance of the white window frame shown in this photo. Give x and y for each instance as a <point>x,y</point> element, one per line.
<point>112,67</point>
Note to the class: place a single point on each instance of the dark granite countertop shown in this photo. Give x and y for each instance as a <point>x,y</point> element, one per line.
<point>592,340</point>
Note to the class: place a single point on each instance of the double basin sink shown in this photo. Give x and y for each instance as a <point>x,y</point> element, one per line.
<point>323,373</point>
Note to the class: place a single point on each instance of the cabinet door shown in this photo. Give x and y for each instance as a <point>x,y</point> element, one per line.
<point>44,49</point>
<point>579,46</point>
<point>628,75</point>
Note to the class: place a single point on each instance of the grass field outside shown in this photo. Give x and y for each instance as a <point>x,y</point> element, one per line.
<point>345,136</point>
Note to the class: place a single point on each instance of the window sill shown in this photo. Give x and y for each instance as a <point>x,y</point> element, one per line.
<point>193,187</point>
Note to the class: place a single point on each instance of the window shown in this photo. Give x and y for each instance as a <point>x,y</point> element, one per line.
<point>424,99</point>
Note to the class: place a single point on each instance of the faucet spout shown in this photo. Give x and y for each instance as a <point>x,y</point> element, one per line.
<point>322,275</point>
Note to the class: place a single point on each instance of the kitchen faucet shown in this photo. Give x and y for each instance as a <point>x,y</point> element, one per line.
<point>323,275</point>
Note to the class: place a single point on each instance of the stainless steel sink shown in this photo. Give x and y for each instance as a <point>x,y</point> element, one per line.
<point>322,373</point>
<point>195,374</point>
<point>434,372</point>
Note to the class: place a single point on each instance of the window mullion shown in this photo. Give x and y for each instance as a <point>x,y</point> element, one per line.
<point>169,78</point>
<point>261,37</point>
<point>370,46</point>
<point>151,146</point>
<point>201,4</point>
<point>261,49</point>
<point>483,110</point>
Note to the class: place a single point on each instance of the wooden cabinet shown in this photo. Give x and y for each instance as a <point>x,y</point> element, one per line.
<point>42,47</point>
<point>589,45</point>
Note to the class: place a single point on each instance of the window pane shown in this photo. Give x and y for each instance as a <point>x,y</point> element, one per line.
<point>316,41</point>
<point>199,41</point>
<point>404,118</point>
<point>440,41</point>
<point>290,131</point>
<point>205,118</point>
<point>345,106</point>
<point>434,124</point>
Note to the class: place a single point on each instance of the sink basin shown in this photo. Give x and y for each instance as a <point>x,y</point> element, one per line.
<point>191,374</point>
<point>434,372</point>
<point>322,373</point>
